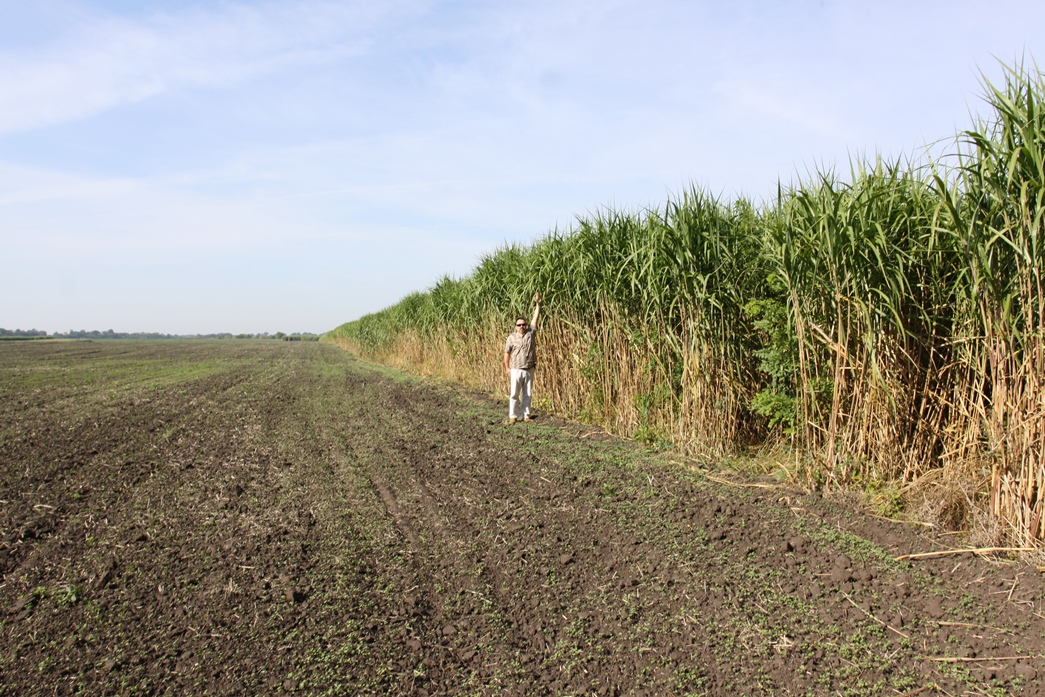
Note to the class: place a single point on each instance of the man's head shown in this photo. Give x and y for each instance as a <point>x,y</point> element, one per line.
<point>521,324</point>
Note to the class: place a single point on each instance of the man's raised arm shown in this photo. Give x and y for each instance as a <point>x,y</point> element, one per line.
<point>536,311</point>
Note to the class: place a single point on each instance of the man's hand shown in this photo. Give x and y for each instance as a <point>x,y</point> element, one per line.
<point>537,298</point>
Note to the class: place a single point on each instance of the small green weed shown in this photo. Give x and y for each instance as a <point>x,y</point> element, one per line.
<point>69,595</point>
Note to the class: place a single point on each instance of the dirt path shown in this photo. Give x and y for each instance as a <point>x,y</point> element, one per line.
<point>266,518</point>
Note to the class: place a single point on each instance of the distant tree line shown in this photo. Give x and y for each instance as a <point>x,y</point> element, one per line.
<point>110,334</point>
<point>25,333</point>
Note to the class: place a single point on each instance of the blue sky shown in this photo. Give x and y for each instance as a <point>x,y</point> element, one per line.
<point>197,167</point>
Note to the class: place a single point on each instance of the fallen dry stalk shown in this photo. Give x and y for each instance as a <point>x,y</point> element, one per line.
<point>746,485</point>
<point>884,624</point>
<point>973,626</point>
<point>960,659</point>
<point>920,690</point>
<point>978,550</point>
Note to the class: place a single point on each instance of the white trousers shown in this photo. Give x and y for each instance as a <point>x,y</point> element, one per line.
<point>520,388</point>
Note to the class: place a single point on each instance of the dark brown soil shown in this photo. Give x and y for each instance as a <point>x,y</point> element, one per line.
<point>267,518</point>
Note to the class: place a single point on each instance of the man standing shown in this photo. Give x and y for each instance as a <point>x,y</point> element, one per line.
<point>520,358</point>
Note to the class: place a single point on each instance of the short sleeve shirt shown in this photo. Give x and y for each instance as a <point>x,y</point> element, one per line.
<point>522,350</point>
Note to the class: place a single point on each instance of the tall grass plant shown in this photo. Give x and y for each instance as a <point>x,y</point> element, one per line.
<point>886,327</point>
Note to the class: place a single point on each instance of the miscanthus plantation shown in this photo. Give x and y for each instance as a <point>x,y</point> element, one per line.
<point>885,328</point>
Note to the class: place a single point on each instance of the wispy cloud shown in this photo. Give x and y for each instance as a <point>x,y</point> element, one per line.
<point>56,215</point>
<point>781,102</point>
<point>109,61</point>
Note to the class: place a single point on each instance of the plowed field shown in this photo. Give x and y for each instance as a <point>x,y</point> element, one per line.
<point>267,518</point>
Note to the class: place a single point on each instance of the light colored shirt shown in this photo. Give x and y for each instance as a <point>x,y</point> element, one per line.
<point>522,349</point>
